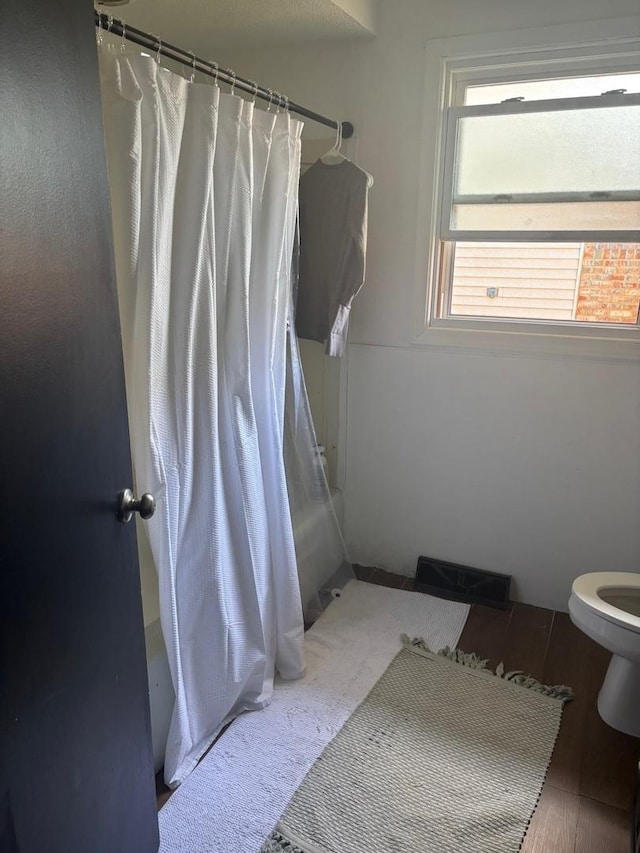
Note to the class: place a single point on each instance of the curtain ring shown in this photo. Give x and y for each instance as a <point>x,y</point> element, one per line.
<point>158,49</point>
<point>233,76</point>
<point>270,91</point>
<point>278,102</point>
<point>123,39</point>
<point>286,103</point>
<point>99,28</point>
<point>109,23</point>
<point>255,91</point>
<point>193,67</point>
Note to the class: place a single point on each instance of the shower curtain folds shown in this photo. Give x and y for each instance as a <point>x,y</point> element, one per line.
<point>204,197</point>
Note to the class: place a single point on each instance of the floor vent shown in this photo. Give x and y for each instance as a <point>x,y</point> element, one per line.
<point>462,583</point>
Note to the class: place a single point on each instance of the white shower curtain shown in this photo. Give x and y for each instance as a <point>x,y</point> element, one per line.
<point>324,566</point>
<point>204,196</point>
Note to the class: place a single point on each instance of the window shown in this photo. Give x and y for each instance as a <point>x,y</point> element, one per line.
<point>538,214</point>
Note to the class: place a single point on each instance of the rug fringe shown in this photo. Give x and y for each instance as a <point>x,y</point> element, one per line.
<point>277,843</point>
<point>473,661</point>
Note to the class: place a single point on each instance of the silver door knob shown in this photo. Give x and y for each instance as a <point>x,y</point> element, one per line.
<point>127,505</point>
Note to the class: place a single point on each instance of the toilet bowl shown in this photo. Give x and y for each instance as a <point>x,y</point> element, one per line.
<point>606,607</point>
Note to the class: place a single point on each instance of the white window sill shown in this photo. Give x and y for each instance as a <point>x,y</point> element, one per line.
<point>539,342</point>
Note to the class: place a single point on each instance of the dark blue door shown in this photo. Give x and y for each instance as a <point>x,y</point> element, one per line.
<point>76,771</point>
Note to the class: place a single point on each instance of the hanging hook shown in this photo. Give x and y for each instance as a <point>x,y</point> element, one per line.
<point>335,151</point>
<point>233,76</point>
<point>158,49</point>
<point>286,103</point>
<point>193,67</point>
<point>338,142</point>
<point>109,23</point>
<point>270,91</point>
<point>123,38</point>
<point>216,70</point>
<point>255,91</point>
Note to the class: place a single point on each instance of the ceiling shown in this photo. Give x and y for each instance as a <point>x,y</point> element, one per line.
<point>208,25</point>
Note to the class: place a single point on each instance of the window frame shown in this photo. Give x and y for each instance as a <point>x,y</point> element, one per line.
<point>455,113</point>
<point>457,62</point>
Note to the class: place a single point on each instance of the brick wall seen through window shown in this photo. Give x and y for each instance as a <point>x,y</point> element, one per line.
<point>592,282</point>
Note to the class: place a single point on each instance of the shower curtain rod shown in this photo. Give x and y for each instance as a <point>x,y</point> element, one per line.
<point>211,69</point>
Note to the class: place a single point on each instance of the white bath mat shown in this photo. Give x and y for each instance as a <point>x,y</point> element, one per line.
<point>233,799</point>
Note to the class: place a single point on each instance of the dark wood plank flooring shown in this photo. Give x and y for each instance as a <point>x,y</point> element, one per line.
<point>587,798</point>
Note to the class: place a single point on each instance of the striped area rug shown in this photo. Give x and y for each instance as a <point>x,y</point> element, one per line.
<point>442,755</point>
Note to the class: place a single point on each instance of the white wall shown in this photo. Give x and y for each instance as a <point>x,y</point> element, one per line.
<point>520,465</point>
<point>527,465</point>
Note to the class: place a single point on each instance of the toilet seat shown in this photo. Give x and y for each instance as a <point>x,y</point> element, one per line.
<point>586,589</point>
<point>617,631</point>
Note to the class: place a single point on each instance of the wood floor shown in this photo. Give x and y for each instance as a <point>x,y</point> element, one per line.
<point>587,799</point>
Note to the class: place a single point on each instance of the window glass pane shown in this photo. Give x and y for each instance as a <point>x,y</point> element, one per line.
<point>540,90</point>
<point>588,150</point>
<point>561,282</point>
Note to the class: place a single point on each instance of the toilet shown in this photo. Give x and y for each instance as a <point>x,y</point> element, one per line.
<point>606,607</point>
